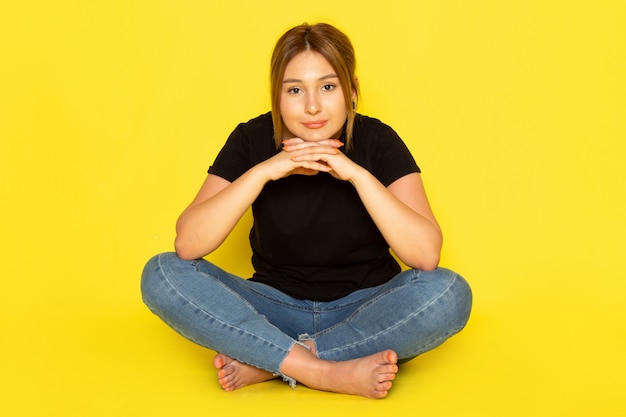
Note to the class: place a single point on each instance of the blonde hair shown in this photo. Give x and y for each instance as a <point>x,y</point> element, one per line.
<point>335,47</point>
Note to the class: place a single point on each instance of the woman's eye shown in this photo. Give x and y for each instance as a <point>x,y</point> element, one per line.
<point>328,87</point>
<point>294,90</point>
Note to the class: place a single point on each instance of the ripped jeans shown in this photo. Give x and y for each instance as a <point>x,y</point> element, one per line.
<point>258,325</point>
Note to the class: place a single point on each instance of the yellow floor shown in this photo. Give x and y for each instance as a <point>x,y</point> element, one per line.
<point>108,356</point>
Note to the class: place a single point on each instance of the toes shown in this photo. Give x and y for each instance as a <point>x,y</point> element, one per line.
<point>392,369</point>
<point>382,391</point>
<point>222,360</point>
<point>228,380</point>
<point>384,387</point>
<point>225,371</point>
<point>386,377</point>
<point>229,384</point>
<point>390,356</point>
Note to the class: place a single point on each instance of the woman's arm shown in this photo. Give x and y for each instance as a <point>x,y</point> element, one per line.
<point>404,217</point>
<point>220,204</point>
<point>401,211</point>
<point>213,213</point>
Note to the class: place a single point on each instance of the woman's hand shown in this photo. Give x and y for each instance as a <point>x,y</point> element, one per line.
<point>314,154</point>
<point>313,157</point>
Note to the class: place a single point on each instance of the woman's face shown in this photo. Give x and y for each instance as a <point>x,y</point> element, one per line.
<point>312,103</point>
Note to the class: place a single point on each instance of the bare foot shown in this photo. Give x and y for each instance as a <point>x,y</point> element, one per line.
<point>233,374</point>
<point>370,376</point>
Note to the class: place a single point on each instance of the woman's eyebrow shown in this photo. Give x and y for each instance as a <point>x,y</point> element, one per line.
<point>295,80</point>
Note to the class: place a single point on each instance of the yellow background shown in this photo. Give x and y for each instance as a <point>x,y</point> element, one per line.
<point>111,112</point>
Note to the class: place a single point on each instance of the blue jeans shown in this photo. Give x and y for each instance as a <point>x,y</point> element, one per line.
<point>258,324</point>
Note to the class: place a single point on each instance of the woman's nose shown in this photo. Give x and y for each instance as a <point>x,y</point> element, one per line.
<point>312,105</point>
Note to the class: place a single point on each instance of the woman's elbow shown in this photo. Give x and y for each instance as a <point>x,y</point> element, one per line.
<point>184,255</point>
<point>188,247</point>
<point>184,250</point>
<point>427,263</point>
<point>430,264</point>
<point>423,261</point>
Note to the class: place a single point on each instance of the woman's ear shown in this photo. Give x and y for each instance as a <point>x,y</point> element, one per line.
<point>355,88</point>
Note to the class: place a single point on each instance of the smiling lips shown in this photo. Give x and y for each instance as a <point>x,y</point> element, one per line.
<point>315,124</point>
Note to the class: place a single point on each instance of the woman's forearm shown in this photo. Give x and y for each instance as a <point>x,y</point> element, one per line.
<point>205,224</point>
<point>413,236</point>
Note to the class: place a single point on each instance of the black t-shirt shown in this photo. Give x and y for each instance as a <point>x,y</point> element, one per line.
<point>312,238</point>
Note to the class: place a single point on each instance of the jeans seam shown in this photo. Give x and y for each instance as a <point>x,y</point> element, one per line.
<point>297,306</point>
<point>274,300</point>
<point>397,324</point>
<point>217,320</point>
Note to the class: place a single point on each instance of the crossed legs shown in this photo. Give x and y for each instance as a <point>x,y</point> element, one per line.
<point>219,311</point>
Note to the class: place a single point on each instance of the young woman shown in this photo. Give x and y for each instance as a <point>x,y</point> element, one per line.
<point>331,191</point>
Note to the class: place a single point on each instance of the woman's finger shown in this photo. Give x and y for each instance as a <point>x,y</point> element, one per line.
<point>296,143</point>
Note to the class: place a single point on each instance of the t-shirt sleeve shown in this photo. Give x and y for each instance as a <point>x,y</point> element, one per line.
<point>233,159</point>
<point>250,143</point>
<point>394,160</point>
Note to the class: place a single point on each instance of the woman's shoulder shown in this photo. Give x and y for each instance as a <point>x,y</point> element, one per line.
<point>368,129</point>
<point>259,125</point>
<point>381,150</point>
<point>365,119</point>
<point>248,144</point>
<point>364,124</point>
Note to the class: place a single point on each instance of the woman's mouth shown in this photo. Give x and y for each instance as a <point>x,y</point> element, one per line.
<point>315,124</point>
